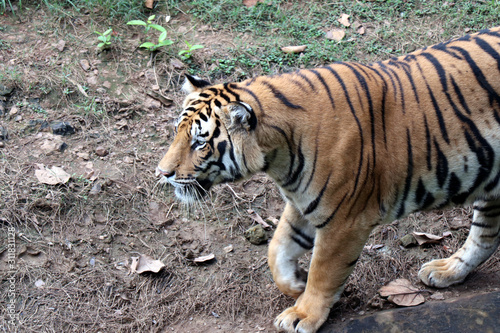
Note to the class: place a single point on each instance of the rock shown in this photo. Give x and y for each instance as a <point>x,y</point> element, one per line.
<point>18,118</point>
<point>92,80</point>
<point>96,189</point>
<point>4,135</point>
<point>60,45</point>
<point>101,151</point>
<point>2,107</point>
<point>256,235</point>
<point>2,144</point>
<point>62,128</point>
<point>128,160</point>
<point>84,156</point>
<point>5,91</point>
<point>85,65</point>
<point>408,240</point>
<point>13,110</point>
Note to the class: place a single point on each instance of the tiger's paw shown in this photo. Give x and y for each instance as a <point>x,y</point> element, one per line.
<point>294,284</point>
<point>294,321</point>
<point>442,273</point>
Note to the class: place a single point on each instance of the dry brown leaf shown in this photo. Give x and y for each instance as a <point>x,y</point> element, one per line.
<point>251,3</point>
<point>148,264</point>
<point>402,293</point>
<point>361,30</point>
<point>294,49</point>
<point>336,34</point>
<point>52,176</point>
<point>149,4</point>
<point>425,238</point>
<point>344,20</point>
<point>203,259</point>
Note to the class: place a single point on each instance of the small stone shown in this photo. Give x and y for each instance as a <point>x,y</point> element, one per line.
<point>92,80</point>
<point>2,108</point>
<point>4,134</point>
<point>5,91</point>
<point>62,147</point>
<point>256,235</point>
<point>18,118</point>
<point>62,128</point>
<point>437,296</point>
<point>101,151</point>
<point>2,144</point>
<point>408,240</point>
<point>84,156</point>
<point>128,160</point>
<point>60,45</point>
<point>84,63</point>
<point>96,189</point>
<point>13,110</point>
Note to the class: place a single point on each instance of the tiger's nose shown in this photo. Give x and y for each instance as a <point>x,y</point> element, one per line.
<point>161,172</point>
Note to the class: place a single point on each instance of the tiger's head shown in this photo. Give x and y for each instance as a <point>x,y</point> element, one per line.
<point>216,141</point>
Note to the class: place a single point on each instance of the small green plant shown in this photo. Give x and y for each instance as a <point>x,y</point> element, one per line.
<point>162,40</point>
<point>187,53</point>
<point>105,38</point>
<point>147,25</point>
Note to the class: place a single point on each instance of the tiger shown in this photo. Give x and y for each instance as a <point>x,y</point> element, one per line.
<point>352,146</point>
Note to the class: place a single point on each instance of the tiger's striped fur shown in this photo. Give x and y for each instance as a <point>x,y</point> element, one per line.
<point>352,146</point>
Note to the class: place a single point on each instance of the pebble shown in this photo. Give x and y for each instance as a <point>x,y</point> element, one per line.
<point>84,63</point>
<point>101,151</point>
<point>256,235</point>
<point>62,128</point>
<point>408,240</point>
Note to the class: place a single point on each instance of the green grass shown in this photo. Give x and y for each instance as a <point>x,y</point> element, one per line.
<point>274,24</point>
<point>122,10</point>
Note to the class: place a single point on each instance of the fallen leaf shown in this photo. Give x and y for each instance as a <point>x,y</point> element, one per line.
<point>294,49</point>
<point>251,3</point>
<point>344,20</point>
<point>176,63</point>
<point>402,292</point>
<point>228,248</point>
<point>361,30</point>
<point>149,4</point>
<point>52,176</point>
<point>206,258</point>
<point>335,34</point>
<point>425,238</point>
<point>148,264</point>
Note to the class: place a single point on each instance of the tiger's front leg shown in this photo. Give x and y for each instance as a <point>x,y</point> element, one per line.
<point>335,254</point>
<point>293,238</point>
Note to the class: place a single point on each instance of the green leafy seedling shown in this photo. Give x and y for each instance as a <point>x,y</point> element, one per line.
<point>162,39</point>
<point>187,53</point>
<point>147,25</point>
<point>105,38</point>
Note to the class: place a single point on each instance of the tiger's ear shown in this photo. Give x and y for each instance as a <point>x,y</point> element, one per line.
<point>242,115</point>
<point>194,84</point>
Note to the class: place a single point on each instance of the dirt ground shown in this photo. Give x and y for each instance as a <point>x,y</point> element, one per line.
<point>74,242</point>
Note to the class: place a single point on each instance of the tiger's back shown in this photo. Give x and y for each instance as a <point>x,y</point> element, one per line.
<point>352,146</point>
